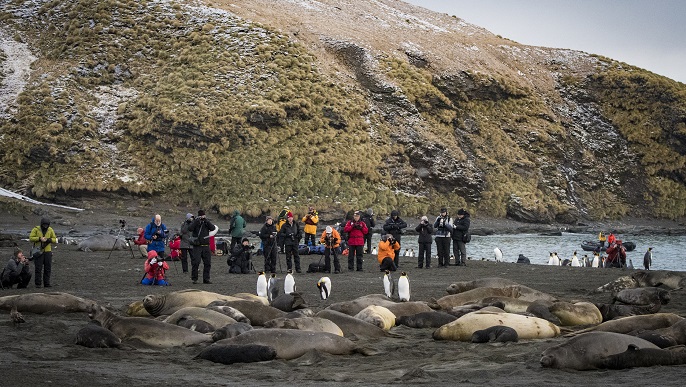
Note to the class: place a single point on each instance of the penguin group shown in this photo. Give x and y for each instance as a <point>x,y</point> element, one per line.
<point>403,287</point>
<point>270,288</point>
<point>409,253</point>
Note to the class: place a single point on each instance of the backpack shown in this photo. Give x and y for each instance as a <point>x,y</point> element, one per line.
<point>315,267</point>
<point>466,237</point>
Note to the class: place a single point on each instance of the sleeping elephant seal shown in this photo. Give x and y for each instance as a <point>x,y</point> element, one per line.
<point>293,343</point>
<point>352,327</point>
<point>580,313</point>
<point>39,303</point>
<point>93,335</point>
<point>431,319</point>
<point>670,279</point>
<point>491,282</point>
<point>527,327</point>
<point>235,353</point>
<point>613,311</point>
<point>634,323</point>
<point>289,302</point>
<point>195,325</point>
<point>315,324</point>
<point>509,304</point>
<point>541,309</point>
<point>496,334</point>
<point>231,312</point>
<point>211,317</point>
<point>166,304</point>
<point>354,307</point>
<point>256,312</point>
<point>585,352</point>
<point>251,297</point>
<point>459,311</point>
<point>642,296</point>
<point>677,331</point>
<point>137,309</point>
<point>624,282</point>
<point>636,356</point>
<point>102,242</point>
<point>231,330</point>
<point>473,296</point>
<point>662,341</point>
<point>377,315</point>
<point>408,308</point>
<point>150,332</point>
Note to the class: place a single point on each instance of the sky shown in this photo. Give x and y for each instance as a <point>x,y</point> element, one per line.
<point>650,34</point>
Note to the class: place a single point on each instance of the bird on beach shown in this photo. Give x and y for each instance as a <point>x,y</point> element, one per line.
<point>648,258</point>
<point>550,260</point>
<point>556,259</point>
<point>498,254</point>
<point>324,285</point>
<point>403,287</point>
<point>575,261</point>
<point>374,251</point>
<point>289,282</point>
<point>262,285</point>
<point>388,284</point>
<point>273,288</point>
<point>596,260</point>
<point>16,317</point>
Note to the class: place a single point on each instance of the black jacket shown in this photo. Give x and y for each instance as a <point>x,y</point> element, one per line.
<point>266,232</point>
<point>425,231</point>
<point>460,227</point>
<point>395,227</point>
<point>291,234</point>
<point>369,221</point>
<point>201,228</point>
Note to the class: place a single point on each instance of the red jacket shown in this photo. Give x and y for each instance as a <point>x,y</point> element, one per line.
<point>356,232</point>
<point>155,271</point>
<point>175,247</point>
<point>141,239</point>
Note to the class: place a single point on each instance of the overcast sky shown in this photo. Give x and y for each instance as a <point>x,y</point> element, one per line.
<point>650,34</point>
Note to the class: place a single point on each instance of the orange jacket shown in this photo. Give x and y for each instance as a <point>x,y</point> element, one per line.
<point>336,239</point>
<point>386,250</point>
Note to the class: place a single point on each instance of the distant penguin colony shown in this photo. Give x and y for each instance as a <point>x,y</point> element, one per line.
<point>262,285</point>
<point>324,286</point>
<point>403,287</point>
<point>289,283</point>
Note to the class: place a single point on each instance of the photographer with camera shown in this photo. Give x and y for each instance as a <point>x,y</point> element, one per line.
<point>141,242</point>
<point>291,234</point>
<point>356,230</point>
<point>311,220</point>
<point>43,236</point>
<point>239,261</point>
<point>425,229</point>
<point>460,229</point>
<point>444,227</point>
<point>331,240</point>
<point>155,269</point>
<point>185,245</point>
<point>268,236</point>
<point>155,234</point>
<point>394,226</point>
<point>200,230</point>
<point>16,272</point>
<point>388,248</point>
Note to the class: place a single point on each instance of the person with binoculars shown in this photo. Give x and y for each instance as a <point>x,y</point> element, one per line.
<point>291,234</point>
<point>155,269</point>
<point>331,240</point>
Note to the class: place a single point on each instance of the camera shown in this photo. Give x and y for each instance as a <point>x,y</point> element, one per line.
<point>122,223</point>
<point>248,247</point>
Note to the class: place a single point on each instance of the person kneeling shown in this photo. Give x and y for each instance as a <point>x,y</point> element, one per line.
<point>239,261</point>
<point>387,248</point>
<point>17,271</point>
<point>155,270</point>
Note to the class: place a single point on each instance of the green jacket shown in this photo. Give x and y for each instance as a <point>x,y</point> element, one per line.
<point>36,234</point>
<point>237,225</point>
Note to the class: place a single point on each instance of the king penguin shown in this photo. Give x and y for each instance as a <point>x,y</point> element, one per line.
<point>556,259</point>
<point>412,253</point>
<point>388,284</point>
<point>575,261</point>
<point>374,251</point>
<point>550,259</point>
<point>289,283</point>
<point>498,254</point>
<point>596,260</point>
<point>406,253</point>
<point>262,285</point>
<point>324,285</point>
<point>273,288</point>
<point>403,287</point>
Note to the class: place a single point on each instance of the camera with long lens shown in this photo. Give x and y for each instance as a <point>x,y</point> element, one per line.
<point>122,223</point>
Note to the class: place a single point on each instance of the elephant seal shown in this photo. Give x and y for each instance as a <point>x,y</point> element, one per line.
<point>473,296</point>
<point>102,242</point>
<point>251,297</point>
<point>169,303</point>
<point>624,282</point>
<point>211,317</point>
<point>231,312</point>
<point>293,343</point>
<point>541,309</point>
<point>40,303</point>
<point>150,332</point>
<point>497,334</point>
<point>289,302</point>
<point>677,331</point>
<point>377,315</point>
<point>490,282</point>
<point>307,312</point>
<point>459,311</point>
<point>431,319</point>
<point>580,313</point>
<point>93,335</point>
<point>642,296</point>
<point>584,352</point>
<point>196,325</point>
<point>662,341</point>
<point>527,327</point>
<point>315,324</point>
<point>255,311</point>
<point>635,356</point>
<point>670,279</point>
<point>509,304</point>
<point>355,306</point>
<point>612,311</point>
<point>352,327</point>
<point>137,309</point>
<point>237,353</point>
<point>231,330</point>
<point>408,308</point>
<point>634,323</point>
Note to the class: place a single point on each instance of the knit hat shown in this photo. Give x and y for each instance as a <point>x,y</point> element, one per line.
<point>269,217</point>
<point>328,229</point>
<point>425,219</point>
<point>370,211</point>
<point>289,215</point>
<point>45,221</point>
<point>189,215</point>
<point>395,213</point>
<point>444,210</point>
<point>201,212</point>
<point>152,254</point>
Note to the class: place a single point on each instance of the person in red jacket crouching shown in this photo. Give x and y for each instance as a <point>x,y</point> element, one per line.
<point>155,270</point>
<point>175,248</point>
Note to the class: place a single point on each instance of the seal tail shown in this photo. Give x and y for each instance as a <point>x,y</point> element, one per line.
<point>368,351</point>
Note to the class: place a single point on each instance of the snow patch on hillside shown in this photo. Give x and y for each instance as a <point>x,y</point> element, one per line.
<point>17,69</point>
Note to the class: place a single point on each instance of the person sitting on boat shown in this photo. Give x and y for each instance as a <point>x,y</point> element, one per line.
<point>616,255</point>
<point>601,239</point>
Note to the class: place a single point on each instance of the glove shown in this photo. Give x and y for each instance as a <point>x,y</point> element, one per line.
<point>160,263</point>
<point>153,261</point>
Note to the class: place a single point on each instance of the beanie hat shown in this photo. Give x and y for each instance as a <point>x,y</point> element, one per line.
<point>201,212</point>
<point>289,215</point>
<point>425,219</point>
<point>370,211</point>
<point>152,254</point>
<point>45,221</point>
<point>189,215</point>
<point>395,213</point>
<point>328,229</point>
<point>444,210</point>
<point>269,217</point>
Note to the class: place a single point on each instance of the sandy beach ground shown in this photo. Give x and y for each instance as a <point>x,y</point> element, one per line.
<point>42,351</point>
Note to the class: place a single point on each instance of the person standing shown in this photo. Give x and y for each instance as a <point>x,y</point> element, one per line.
<point>424,240</point>
<point>368,219</point>
<point>43,236</point>
<point>280,221</point>
<point>460,229</point>
<point>291,234</point>
<point>356,230</point>
<point>444,227</point>
<point>394,226</point>
<point>311,220</point>
<point>185,245</point>
<point>155,234</point>
<point>601,239</point>
<point>268,237</point>
<point>236,228</point>
<point>17,271</point>
<point>200,230</point>
<point>331,240</point>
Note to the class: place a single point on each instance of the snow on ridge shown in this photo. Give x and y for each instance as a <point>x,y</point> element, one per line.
<point>313,5</point>
<point>17,69</point>
<point>404,16</point>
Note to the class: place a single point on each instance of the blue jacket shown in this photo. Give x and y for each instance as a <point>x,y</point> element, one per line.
<point>151,230</point>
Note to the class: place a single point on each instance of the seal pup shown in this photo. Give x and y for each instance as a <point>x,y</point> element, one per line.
<point>431,319</point>
<point>580,313</point>
<point>316,324</point>
<point>352,327</point>
<point>273,287</point>
<point>237,353</point>
<point>388,284</point>
<point>403,287</point>
<point>489,282</point>
<point>256,312</point>
<point>212,317</point>
<point>262,285</point>
<point>166,304</point>
<point>289,282</point>
<point>196,325</point>
<point>93,335</point>
<point>496,333</point>
<point>642,296</point>
<point>231,312</point>
<point>377,315</point>
<point>634,323</point>
<point>636,356</point>
<point>289,302</point>
<point>324,286</point>
<point>230,330</point>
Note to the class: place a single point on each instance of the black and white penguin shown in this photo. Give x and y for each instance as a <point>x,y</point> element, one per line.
<point>289,282</point>
<point>648,259</point>
<point>388,284</point>
<point>403,287</point>
<point>324,285</point>
<point>273,288</point>
<point>374,251</point>
<point>262,285</point>
<point>498,254</point>
<point>575,261</point>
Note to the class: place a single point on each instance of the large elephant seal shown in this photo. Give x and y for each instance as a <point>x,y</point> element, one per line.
<point>289,302</point>
<point>315,324</point>
<point>642,296</point>
<point>166,304</point>
<point>103,242</point>
<point>624,282</point>
<point>585,352</point>
<point>231,312</point>
<point>408,308</point>
<point>39,303</point>
<point>258,313</point>
<point>496,334</point>
<point>491,282</point>
<point>677,331</point>
<point>354,307</point>
<point>580,313</point>
<point>527,327</point>
<point>509,304</point>
<point>211,317</point>
<point>634,323</point>
<point>613,311</point>
<point>662,341</point>
<point>473,296</point>
<point>377,315</point>
<point>231,330</point>
<point>431,319</point>
<point>251,297</point>
<point>196,325</point>
<point>237,353</point>
<point>636,356</point>
<point>541,309</point>
<point>93,335</point>
<point>293,343</point>
<point>137,309</point>
<point>670,279</point>
<point>352,327</point>
<point>150,332</point>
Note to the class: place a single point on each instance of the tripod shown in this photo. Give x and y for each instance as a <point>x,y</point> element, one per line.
<point>116,239</point>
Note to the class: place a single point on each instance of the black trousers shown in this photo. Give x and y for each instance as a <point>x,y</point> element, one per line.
<point>43,266</point>
<point>396,260</point>
<point>292,255</point>
<point>201,253</point>
<point>387,264</point>
<point>269,251</point>
<point>234,240</point>
<point>185,253</point>
<point>460,252</point>
<point>355,253</point>
<point>310,237</point>
<point>22,279</point>
<point>327,260</point>
<point>443,251</point>
<point>424,254</point>
<point>368,241</point>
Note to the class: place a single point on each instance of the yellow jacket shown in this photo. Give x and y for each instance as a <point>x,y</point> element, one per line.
<point>36,234</point>
<point>386,250</point>
<point>311,223</point>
